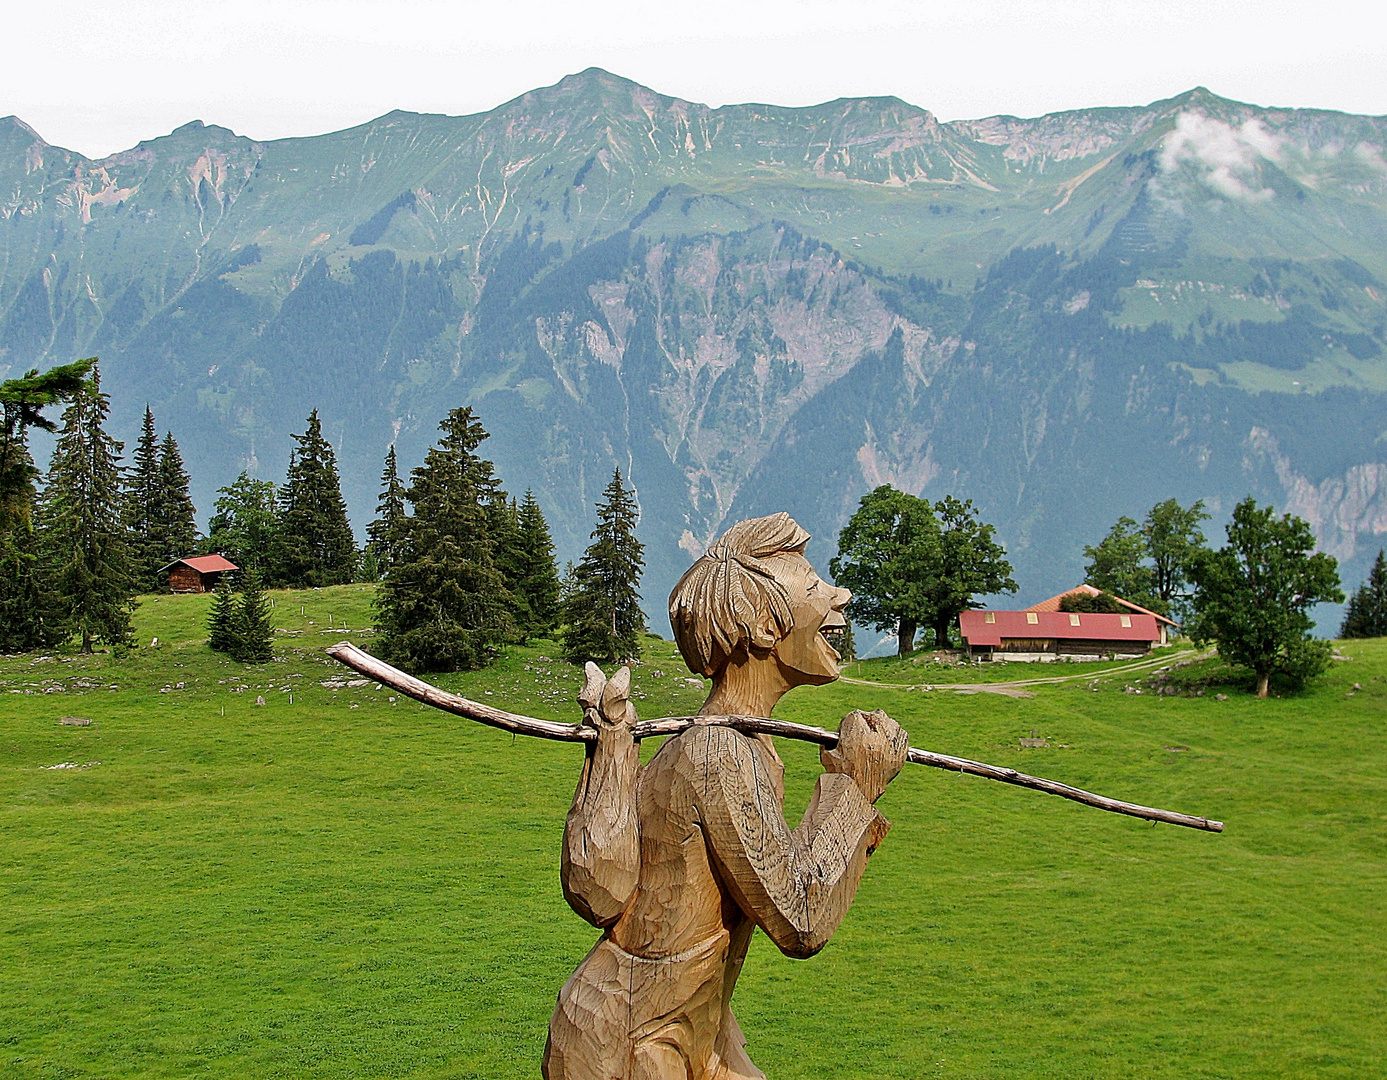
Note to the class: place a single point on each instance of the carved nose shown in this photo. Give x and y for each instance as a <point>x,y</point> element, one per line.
<point>842,599</point>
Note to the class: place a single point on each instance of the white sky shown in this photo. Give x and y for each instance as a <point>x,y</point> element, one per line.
<point>98,77</point>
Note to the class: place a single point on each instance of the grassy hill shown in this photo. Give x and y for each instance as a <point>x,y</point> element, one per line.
<point>342,883</point>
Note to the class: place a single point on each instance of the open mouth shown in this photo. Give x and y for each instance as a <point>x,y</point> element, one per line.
<point>833,631</point>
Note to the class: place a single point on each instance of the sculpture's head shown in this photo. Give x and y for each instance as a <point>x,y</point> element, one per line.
<point>754,596</point>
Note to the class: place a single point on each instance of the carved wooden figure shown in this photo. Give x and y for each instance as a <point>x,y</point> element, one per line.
<point>681,860</point>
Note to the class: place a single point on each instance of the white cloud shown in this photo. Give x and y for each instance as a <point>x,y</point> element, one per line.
<point>1226,157</point>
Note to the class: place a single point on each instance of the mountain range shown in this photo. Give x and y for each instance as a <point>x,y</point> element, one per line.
<point>747,308</point>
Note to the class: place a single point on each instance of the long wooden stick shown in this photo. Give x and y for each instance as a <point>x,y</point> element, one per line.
<point>517,724</point>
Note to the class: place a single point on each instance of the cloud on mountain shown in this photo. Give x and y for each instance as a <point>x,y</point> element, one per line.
<point>1225,157</point>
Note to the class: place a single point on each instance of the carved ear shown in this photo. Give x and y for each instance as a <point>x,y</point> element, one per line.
<point>617,693</point>
<point>594,682</point>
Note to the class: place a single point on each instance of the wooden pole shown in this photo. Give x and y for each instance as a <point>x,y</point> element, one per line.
<point>516,724</point>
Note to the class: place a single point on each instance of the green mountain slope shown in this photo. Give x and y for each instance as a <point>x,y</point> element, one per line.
<point>749,308</point>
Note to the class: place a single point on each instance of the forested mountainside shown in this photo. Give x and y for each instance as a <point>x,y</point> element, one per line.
<point>748,308</point>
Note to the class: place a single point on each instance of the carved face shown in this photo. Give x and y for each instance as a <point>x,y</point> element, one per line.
<point>805,654</point>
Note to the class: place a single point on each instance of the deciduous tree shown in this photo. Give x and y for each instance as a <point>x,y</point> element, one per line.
<point>1252,597</point>
<point>244,525</point>
<point>1116,565</point>
<point>971,563</point>
<point>1173,540</point>
<point>889,555</point>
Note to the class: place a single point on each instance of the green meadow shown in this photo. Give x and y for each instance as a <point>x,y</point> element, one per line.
<point>341,883</point>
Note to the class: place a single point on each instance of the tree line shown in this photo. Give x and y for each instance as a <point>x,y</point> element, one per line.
<point>462,567</point>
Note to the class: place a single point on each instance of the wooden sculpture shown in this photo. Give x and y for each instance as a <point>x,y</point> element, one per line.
<point>680,860</point>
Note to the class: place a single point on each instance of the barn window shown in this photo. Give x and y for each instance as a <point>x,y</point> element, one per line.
<point>1126,620</point>
<point>1032,617</point>
<point>1073,619</point>
<point>990,617</point>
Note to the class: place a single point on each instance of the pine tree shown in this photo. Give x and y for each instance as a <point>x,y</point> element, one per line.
<point>313,545</point>
<point>86,530</point>
<point>252,631</point>
<point>221,622</point>
<point>142,490</point>
<point>538,580</point>
<point>177,515</point>
<point>509,555</point>
<point>1366,616</point>
<point>443,605</point>
<point>384,534</point>
<point>603,615</point>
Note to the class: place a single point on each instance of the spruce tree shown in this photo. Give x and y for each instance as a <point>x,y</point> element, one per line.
<point>443,605</point>
<point>1367,608</point>
<point>221,622</point>
<point>142,490</point>
<point>384,534</point>
<point>252,632</point>
<point>30,607</point>
<point>603,617</point>
<point>313,544</point>
<point>86,527</point>
<point>538,580</point>
<point>177,515</point>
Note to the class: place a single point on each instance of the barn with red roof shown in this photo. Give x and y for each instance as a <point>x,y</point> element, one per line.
<point>1044,632</point>
<point>197,573</point>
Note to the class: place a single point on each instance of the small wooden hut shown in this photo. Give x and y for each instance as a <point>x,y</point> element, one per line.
<point>197,573</point>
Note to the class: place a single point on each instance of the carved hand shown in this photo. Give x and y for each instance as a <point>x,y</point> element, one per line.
<point>871,749</point>
<point>607,702</point>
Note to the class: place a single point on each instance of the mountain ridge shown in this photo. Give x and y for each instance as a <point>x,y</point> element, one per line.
<point>613,276</point>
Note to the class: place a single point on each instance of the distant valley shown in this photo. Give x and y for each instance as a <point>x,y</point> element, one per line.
<point>747,309</point>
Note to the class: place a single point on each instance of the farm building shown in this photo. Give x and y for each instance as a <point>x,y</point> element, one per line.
<point>197,573</point>
<point>1056,635</point>
<point>1053,604</point>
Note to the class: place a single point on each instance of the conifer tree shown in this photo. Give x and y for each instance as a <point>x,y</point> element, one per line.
<point>86,529</point>
<point>603,617</point>
<point>142,489</point>
<point>1367,608</point>
<point>313,543</point>
<point>221,622</point>
<point>538,580</point>
<point>503,529</point>
<point>30,608</point>
<point>22,402</point>
<point>384,534</point>
<point>252,634</point>
<point>177,515</point>
<point>443,605</point>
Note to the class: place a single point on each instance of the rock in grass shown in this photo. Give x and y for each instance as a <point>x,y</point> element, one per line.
<point>75,721</point>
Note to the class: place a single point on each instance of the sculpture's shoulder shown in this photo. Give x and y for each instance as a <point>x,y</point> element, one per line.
<point>709,757</point>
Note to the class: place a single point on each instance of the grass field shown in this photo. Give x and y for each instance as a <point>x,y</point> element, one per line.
<point>335,883</point>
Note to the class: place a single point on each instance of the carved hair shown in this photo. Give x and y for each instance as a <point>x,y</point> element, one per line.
<point>732,598</point>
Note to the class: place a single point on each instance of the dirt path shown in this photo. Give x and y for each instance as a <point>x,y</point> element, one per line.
<point>1017,687</point>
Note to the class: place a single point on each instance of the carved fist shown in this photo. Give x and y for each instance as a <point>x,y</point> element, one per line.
<point>606,702</point>
<point>871,749</point>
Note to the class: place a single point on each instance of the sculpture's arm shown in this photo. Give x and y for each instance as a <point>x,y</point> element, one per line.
<point>798,885</point>
<point>601,837</point>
